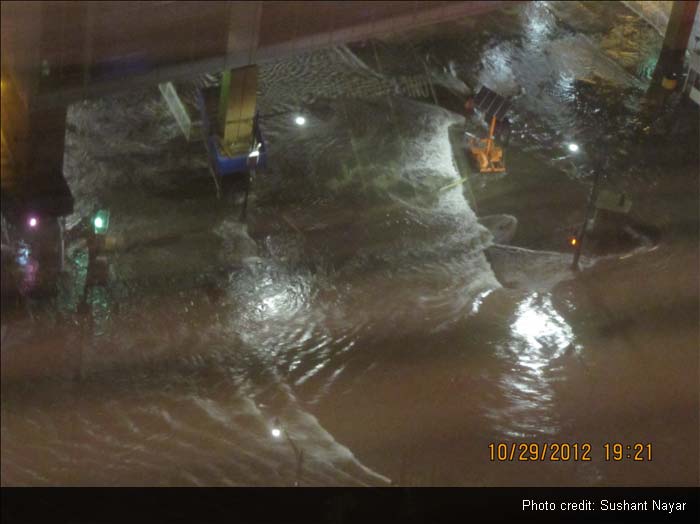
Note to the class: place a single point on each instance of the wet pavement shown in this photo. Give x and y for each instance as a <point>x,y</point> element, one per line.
<point>366,307</point>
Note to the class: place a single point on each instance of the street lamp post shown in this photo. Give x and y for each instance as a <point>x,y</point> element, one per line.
<point>277,432</point>
<point>585,226</point>
<point>577,241</point>
<point>590,210</point>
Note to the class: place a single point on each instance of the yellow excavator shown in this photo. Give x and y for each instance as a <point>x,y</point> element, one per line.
<point>487,156</point>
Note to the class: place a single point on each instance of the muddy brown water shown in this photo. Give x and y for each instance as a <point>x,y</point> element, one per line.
<point>358,308</point>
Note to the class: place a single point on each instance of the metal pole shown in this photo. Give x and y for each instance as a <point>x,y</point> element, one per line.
<point>298,455</point>
<point>589,209</point>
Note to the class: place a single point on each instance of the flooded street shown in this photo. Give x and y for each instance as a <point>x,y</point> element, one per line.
<point>364,306</point>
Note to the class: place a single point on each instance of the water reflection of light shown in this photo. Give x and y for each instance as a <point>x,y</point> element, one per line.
<point>278,300</point>
<point>480,300</point>
<point>498,72</point>
<point>538,25</point>
<point>23,255</point>
<point>544,331</point>
<point>275,303</point>
<point>565,87</point>
<point>29,267</point>
<point>537,29</point>
<point>539,336</point>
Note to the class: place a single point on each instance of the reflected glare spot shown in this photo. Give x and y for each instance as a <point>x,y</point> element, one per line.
<point>479,300</point>
<point>544,332</point>
<point>275,303</point>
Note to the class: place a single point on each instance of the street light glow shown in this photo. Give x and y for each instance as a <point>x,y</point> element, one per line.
<point>33,222</point>
<point>100,221</point>
<point>300,120</point>
<point>573,147</point>
<point>276,432</point>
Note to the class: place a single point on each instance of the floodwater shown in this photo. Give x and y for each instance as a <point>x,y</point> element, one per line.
<point>363,308</point>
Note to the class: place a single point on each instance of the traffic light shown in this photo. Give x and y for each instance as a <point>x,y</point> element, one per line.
<point>101,221</point>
